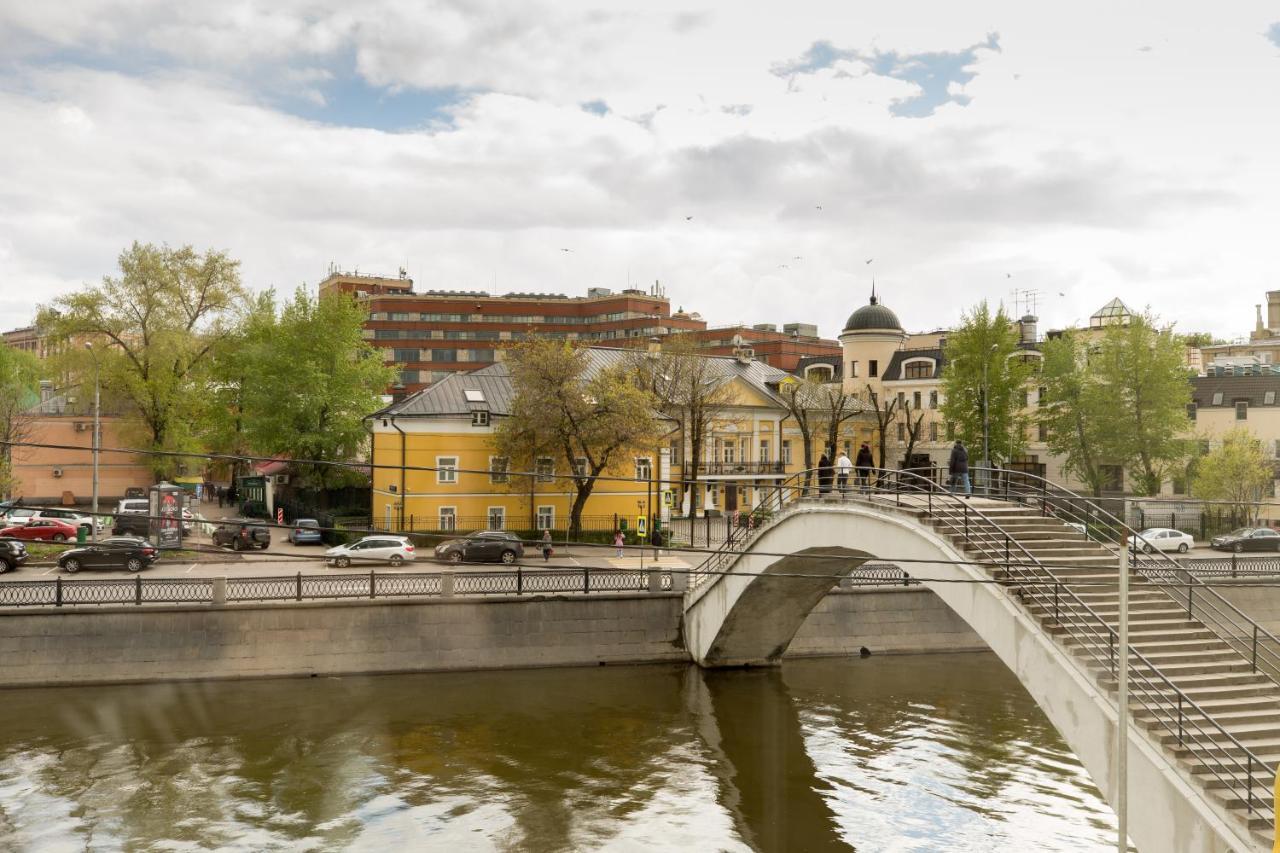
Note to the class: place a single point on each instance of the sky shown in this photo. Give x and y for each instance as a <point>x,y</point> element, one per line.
<point>763,162</point>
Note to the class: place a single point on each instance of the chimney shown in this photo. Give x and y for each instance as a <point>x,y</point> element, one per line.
<point>1027,329</point>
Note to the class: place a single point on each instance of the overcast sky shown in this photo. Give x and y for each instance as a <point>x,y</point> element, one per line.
<point>753,161</point>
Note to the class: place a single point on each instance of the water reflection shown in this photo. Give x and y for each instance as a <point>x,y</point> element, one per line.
<point>925,753</point>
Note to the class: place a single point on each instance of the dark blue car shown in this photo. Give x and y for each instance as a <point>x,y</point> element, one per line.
<point>306,531</point>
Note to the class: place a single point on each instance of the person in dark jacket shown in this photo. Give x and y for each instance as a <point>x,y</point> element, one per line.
<point>864,463</point>
<point>959,468</point>
<point>824,474</point>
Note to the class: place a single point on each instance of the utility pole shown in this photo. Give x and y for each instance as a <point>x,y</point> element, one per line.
<point>97,439</point>
<point>1122,717</point>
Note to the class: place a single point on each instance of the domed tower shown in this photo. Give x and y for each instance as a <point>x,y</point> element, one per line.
<point>871,336</point>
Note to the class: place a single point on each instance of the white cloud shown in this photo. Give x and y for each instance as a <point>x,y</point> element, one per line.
<point>1080,165</point>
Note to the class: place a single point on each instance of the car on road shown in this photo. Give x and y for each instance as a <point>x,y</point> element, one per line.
<point>116,552</point>
<point>306,531</point>
<point>394,550</point>
<point>44,529</point>
<point>70,516</point>
<point>486,546</point>
<point>1247,539</point>
<point>13,553</point>
<point>1162,539</point>
<point>240,534</point>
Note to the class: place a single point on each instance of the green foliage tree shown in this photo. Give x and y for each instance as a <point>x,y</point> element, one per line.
<point>1075,410</point>
<point>1144,385</point>
<point>1237,472</point>
<point>19,392</point>
<point>157,325</point>
<point>298,381</point>
<point>983,363</point>
<point>593,415</point>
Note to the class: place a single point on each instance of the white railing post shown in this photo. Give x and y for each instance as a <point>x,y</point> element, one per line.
<point>446,584</point>
<point>1122,717</point>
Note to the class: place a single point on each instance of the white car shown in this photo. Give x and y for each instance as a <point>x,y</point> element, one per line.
<point>394,550</point>
<point>70,516</point>
<point>1162,539</point>
<point>18,516</point>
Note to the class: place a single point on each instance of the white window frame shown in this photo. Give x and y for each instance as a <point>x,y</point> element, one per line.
<point>763,455</point>
<point>501,512</point>
<point>447,474</point>
<point>644,468</point>
<point>729,450</point>
<point>480,418</point>
<point>580,466</point>
<point>786,451</point>
<point>449,512</point>
<point>546,517</point>
<point>499,475</point>
<point>545,468</point>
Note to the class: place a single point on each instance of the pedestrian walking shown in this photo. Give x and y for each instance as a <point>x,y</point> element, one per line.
<point>618,541</point>
<point>824,474</point>
<point>222,496</point>
<point>958,467</point>
<point>864,464</point>
<point>546,545</point>
<point>844,466</point>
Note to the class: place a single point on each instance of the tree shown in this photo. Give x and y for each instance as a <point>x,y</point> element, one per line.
<point>299,381</point>
<point>690,389</point>
<point>913,423</point>
<point>1237,472</point>
<point>589,414</point>
<point>884,412</point>
<point>1075,410</point>
<point>521,445</point>
<point>159,321</point>
<point>1144,380</point>
<point>19,393</point>
<point>984,368</point>
<point>837,407</point>
<point>1201,339</point>
<point>800,399</point>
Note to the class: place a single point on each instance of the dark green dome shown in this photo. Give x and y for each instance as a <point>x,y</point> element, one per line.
<point>872,316</point>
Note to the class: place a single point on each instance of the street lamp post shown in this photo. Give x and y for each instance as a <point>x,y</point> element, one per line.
<point>97,439</point>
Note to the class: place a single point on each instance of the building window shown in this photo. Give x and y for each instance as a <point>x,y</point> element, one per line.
<point>1042,432</point>
<point>933,399</point>
<point>675,450</point>
<point>951,431</point>
<point>902,400</point>
<point>786,452</point>
<point>580,466</point>
<point>444,355</point>
<point>1242,411</point>
<point>915,401</point>
<point>446,469</point>
<point>546,517</point>
<point>873,368</point>
<point>1217,398</point>
<point>764,450</point>
<point>1191,411</point>
<point>479,419</point>
<point>644,468</point>
<point>902,431</point>
<point>933,431</point>
<point>1112,477</point>
<point>497,518</point>
<point>729,451</point>
<point>448,518</point>
<point>482,355</point>
<point>545,468</point>
<point>498,466</point>
<point>853,370</point>
<point>1269,398</point>
<point>918,370</point>
<point>404,355</point>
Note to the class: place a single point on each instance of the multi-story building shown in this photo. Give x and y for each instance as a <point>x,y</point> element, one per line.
<point>434,465</point>
<point>28,339</point>
<point>434,334</point>
<point>783,349</point>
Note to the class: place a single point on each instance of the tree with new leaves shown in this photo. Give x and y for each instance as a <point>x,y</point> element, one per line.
<point>298,380</point>
<point>984,364</point>
<point>589,413</point>
<point>1144,382</point>
<point>1075,410</point>
<point>154,327</point>
<point>520,445</point>
<point>1236,472</point>
<point>19,393</point>
<point>692,391</point>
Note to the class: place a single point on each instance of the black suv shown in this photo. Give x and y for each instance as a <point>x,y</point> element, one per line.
<point>239,534</point>
<point>132,524</point>
<point>13,553</point>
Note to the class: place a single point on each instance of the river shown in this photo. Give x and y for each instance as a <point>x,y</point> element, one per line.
<point>909,753</point>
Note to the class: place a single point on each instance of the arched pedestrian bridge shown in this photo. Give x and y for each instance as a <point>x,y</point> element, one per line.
<point>1205,726</point>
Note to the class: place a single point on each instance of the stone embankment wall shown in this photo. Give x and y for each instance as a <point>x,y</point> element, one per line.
<point>124,644</point>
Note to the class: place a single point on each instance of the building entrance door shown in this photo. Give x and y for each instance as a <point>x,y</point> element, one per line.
<point>730,497</point>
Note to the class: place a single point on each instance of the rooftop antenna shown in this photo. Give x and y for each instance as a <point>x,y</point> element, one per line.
<point>873,290</point>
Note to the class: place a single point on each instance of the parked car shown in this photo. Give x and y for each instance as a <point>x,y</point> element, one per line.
<point>239,534</point>
<point>1247,539</point>
<point>1162,539</point>
<point>136,506</point>
<point>13,553</point>
<point>306,531</point>
<point>70,516</point>
<point>44,529</point>
<point>18,516</point>
<point>135,492</point>
<point>117,552</point>
<point>394,550</point>
<point>487,546</point>
<point>131,524</point>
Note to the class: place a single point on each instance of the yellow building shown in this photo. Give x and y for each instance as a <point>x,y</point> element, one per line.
<point>434,466</point>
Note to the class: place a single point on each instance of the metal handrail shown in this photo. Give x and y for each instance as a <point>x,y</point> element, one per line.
<point>1264,646</point>
<point>1087,627</point>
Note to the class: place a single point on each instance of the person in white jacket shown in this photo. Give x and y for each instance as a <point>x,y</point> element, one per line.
<point>843,466</point>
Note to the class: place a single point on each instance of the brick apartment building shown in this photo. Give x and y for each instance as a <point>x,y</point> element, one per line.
<point>781,349</point>
<point>432,334</point>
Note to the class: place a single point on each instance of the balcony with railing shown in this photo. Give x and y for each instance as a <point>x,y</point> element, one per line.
<point>743,468</point>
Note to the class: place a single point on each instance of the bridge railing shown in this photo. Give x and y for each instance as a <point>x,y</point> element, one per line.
<point>1180,582</point>
<point>1171,713</point>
